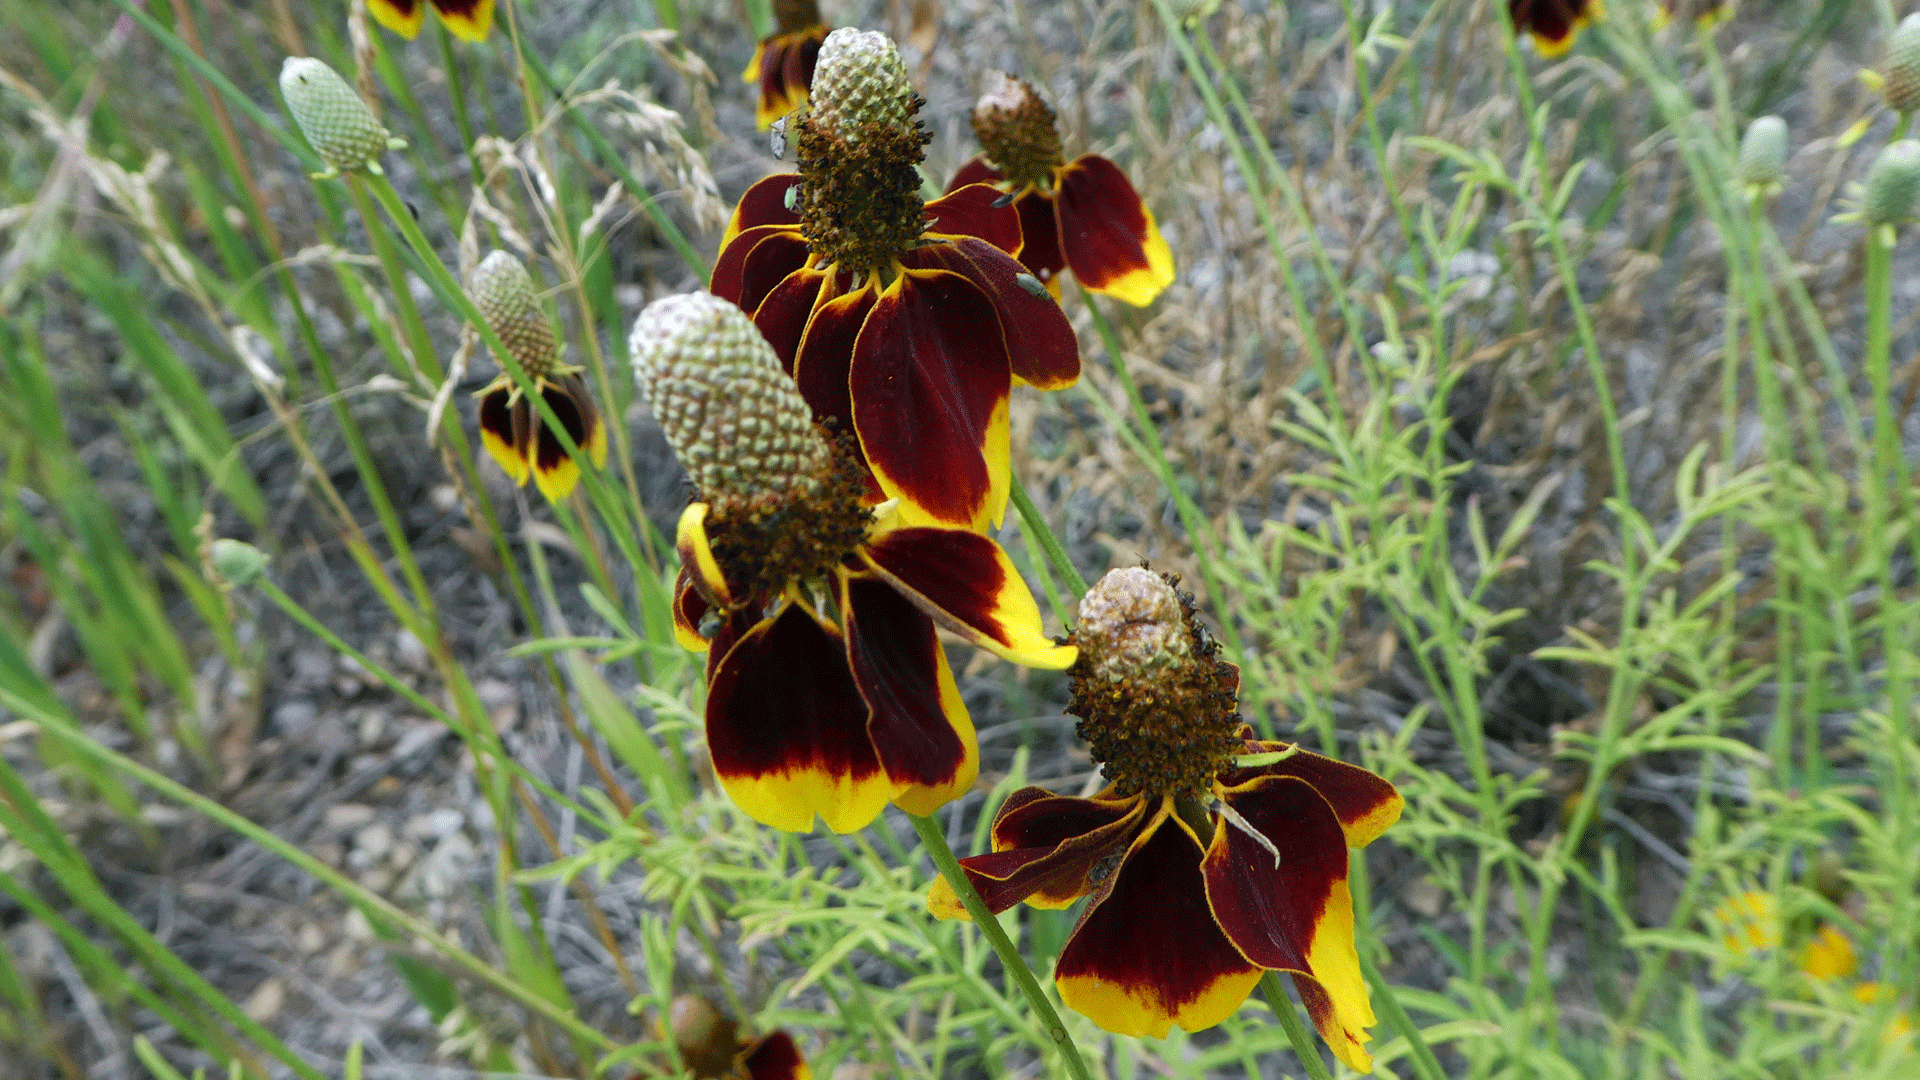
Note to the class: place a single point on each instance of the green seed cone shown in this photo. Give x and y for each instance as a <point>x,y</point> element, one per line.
<point>861,79</point>
<point>1763,151</point>
<point>503,291</point>
<point>1900,85</point>
<point>331,115</point>
<point>1893,184</point>
<point>728,407</point>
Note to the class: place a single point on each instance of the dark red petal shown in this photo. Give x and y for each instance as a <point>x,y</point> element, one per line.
<point>1147,954</point>
<point>787,727</point>
<point>782,317</point>
<point>824,355</point>
<point>774,99</point>
<point>970,211</point>
<point>729,280</point>
<point>504,438</point>
<point>1365,803</point>
<point>975,171</point>
<point>796,67</point>
<point>1107,233</point>
<point>765,203</point>
<point>930,400</point>
<point>469,20</point>
<point>920,728</point>
<point>1040,227</point>
<point>689,608</point>
<point>1041,346</point>
<point>1045,848</point>
<point>966,582</point>
<point>774,1057</point>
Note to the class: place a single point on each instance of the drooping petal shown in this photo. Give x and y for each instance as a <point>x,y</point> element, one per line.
<point>782,317</point>
<point>554,470</point>
<point>696,557</point>
<point>1040,226</point>
<point>689,608</point>
<point>730,281</point>
<point>796,66</point>
<point>1147,953</point>
<point>1294,914</point>
<point>920,728</point>
<point>770,65</point>
<point>1041,346</point>
<point>1554,24</point>
<point>967,583</point>
<point>1045,849</point>
<point>1108,234</point>
<point>773,1056</point>
<point>765,203</point>
<point>975,171</point>
<point>972,211</point>
<point>468,20</point>
<point>1365,803</point>
<point>787,728</point>
<point>930,400</point>
<point>752,73</point>
<point>502,432</point>
<point>403,17</point>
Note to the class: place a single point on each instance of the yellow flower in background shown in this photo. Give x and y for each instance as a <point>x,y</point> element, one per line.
<point>1829,955</point>
<point>1870,993</point>
<point>1750,921</point>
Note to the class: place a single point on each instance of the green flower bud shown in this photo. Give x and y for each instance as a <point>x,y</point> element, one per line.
<point>331,115</point>
<point>1893,184</point>
<point>861,79</point>
<point>728,407</point>
<point>503,291</point>
<point>238,562</point>
<point>1900,83</point>
<point>1763,151</point>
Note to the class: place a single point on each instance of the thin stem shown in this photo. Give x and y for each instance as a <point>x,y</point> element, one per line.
<point>1297,1033</point>
<point>1424,1062</point>
<point>1034,527</point>
<point>935,842</point>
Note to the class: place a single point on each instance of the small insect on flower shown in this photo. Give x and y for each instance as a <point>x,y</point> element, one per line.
<point>469,20</point>
<point>1553,24</point>
<point>330,113</point>
<point>783,64</point>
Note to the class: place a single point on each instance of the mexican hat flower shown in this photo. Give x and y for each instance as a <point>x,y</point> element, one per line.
<point>469,20</point>
<point>1554,24</point>
<point>1082,215</point>
<point>1210,857</point>
<point>511,429</point>
<point>903,322</point>
<point>711,1047</point>
<point>782,65</point>
<point>1704,13</point>
<point>828,691</point>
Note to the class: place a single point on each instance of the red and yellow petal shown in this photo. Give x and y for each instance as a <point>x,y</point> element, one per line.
<point>773,1056</point>
<point>1294,914</point>
<point>752,73</point>
<point>974,211</point>
<point>468,20</point>
<point>403,17</point>
<point>930,397</point>
<point>554,469</point>
<point>689,608</point>
<point>696,557</point>
<point>1040,227</point>
<point>787,728</point>
<point>1041,346</point>
<point>504,429</point>
<point>976,171</point>
<point>1364,802</point>
<point>1147,954</point>
<point>730,279</point>
<point>765,203</point>
<point>969,585</point>
<point>1045,849</point>
<point>1107,233</point>
<point>1553,24</point>
<point>822,356</point>
<point>920,728</point>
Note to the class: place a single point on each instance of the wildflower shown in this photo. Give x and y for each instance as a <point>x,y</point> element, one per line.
<point>1083,214</point>
<point>1554,24</point>
<point>338,124</point>
<point>469,20</point>
<point>510,428</point>
<point>783,63</point>
<point>712,1049</point>
<point>1750,925</point>
<point>1704,13</point>
<point>1829,955</point>
<point>828,691</point>
<point>1868,992</point>
<point>1210,857</point>
<point>904,323</point>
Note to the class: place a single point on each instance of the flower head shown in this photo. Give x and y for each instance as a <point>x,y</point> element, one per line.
<point>1082,214</point>
<point>1210,858</point>
<point>1703,13</point>
<point>1900,82</point>
<point>338,124</point>
<point>510,428</point>
<point>903,322</point>
<point>828,691</point>
<point>711,1047</point>
<point>1553,24</point>
<point>469,20</point>
<point>783,64</point>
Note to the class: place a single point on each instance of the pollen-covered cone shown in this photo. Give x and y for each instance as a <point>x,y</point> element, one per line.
<point>335,121</point>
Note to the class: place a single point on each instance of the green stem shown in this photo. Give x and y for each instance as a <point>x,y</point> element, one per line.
<point>1424,1062</point>
<point>936,844</point>
<point>1297,1033</point>
<point>1034,527</point>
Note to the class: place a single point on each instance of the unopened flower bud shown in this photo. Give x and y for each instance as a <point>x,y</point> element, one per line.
<point>342,130</point>
<point>1893,184</point>
<point>1900,82</point>
<point>860,78</point>
<point>503,291</point>
<point>238,562</point>
<point>1763,151</point>
<point>730,410</point>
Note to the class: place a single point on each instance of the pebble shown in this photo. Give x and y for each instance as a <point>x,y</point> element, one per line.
<point>266,1001</point>
<point>293,715</point>
<point>435,824</point>
<point>343,816</point>
<point>411,652</point>
<point>373,842</point>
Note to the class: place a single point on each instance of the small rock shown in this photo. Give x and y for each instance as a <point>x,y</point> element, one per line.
<point>312,667</point>
<point>293,715</point>
<point>502,702</point>
<point>266,1001</point>
<point>357,926</point>
<point>374,841</point>
<point>329,853</point>
<point>444,498</point>
<point>1424,898</point>
<point>343,816</point>
<point>401,857</point>
<point>310,939</point>
<point>411,652</point>
<point>435,824</point>
<point>373,728</point>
